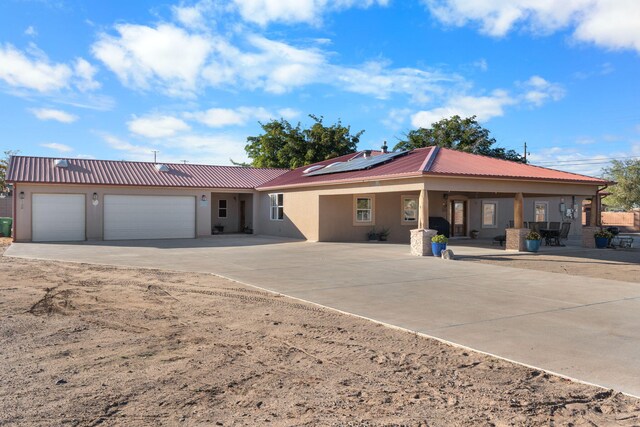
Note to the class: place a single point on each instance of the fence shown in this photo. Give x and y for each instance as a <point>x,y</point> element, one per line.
<point>630,221</point>
<point>6,207</point>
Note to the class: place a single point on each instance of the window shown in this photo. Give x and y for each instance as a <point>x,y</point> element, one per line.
<point>277,206</point>
<point>363,210</point>
<point>409,209</point>
<point>489,214</point>
<point>540,211</point>
<point>222,208</point>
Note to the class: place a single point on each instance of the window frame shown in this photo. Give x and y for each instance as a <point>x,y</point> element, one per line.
<point>403,218</point>
<point>546,210</point>
<point>277,208</point>
<point>225,208</point>
<point>495,214</point>
<point>371,210</point>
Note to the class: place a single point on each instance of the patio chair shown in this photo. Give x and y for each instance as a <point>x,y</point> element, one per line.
<point>562,235</point>
<point>535,226</point>
<point>554,225</point>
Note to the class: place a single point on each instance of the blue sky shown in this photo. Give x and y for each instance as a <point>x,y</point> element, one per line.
<point>118,79</point>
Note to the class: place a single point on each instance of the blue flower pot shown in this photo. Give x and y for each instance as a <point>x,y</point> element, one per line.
<point>533,245</point>
<point>602,242</point>
<point>437,248</point>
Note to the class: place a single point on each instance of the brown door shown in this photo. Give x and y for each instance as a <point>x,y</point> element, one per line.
<point>242,215</point>
<point>458,218</point>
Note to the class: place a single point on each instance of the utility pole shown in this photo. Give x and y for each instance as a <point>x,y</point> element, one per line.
<point>184,161</point>
<point>525,152</point>
<point>155,155</point>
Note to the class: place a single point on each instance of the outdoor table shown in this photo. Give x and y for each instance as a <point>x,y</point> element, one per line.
<point>548,235</point>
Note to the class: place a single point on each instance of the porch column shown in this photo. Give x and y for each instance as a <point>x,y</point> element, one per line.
<point>516,235</point>
<point>423,210</point>
<point>255,212</point>
<point>588,240</point>
<point>518,211</point>
<point>421,237</point>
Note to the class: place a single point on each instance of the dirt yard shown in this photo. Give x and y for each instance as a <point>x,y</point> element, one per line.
<point>88,345</point>
<point>613,264</point>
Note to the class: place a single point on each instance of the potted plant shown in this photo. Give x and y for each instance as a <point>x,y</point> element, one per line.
<point>383,234</point>
<point>533,240</point>
<point>219,228</point>
<point>438,244</point>
<point>474,234</point>
<point>602,238</point>
<point>372,235</point>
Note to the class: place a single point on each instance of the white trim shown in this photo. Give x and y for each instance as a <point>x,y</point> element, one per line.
<point>403,219</point>
<point>546,210</point>
<point>372,220</point>
<point>495,214</point>
<point>277,208</point>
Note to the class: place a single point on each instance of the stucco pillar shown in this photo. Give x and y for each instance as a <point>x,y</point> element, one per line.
<point>423,210</point>
<point>516,239</point>
<point>421,242</point>
<point>588,241</point>
<point>518,211</point>
<point>255,213</point>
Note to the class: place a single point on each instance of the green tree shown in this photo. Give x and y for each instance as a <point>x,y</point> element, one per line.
<point>458,134</point>
<point>626,193</point>
<point>4,166</point>
<point>282,145</point>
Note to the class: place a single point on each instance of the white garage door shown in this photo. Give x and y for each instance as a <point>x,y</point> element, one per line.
<point>57,217</point>
<point>149,217</point>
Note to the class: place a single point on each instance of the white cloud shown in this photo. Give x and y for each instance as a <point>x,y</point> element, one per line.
<point>166,56</point>
<point>85,72</point>
<point>263,12</point>
<point>397,118</point>
<point>38,74</point>
<point>610,24</point>
<point>214,149</point>
<point>134,152</point>
<point>483,107</point>
<point>157,126</point>
<point>221,117</point>
<point>58,147</point>
<point>31,31</point>
<point>51,114</point>
<point>539,90</point>
<point>32,70</point>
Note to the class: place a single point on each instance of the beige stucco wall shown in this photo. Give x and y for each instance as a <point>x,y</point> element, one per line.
<point>94,219</point>
<point>300,216</point>
<point>231,222</point>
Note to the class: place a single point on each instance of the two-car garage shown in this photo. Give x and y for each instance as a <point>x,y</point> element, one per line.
<point>62,217</point>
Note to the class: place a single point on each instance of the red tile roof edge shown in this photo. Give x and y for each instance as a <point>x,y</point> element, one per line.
<point>591,180</point>
<point>344,181</point>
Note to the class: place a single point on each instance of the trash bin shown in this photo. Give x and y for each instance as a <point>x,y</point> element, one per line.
<point>5,226</point>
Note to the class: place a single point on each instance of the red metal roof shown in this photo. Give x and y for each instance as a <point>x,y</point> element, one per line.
<point>407,165</point>
<point>431,161</point>
<point>109,172</point>
<point>453,162</point>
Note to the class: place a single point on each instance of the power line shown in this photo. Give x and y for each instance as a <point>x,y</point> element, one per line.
<point>586,161</point>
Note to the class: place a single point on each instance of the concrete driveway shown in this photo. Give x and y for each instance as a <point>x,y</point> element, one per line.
<point>576,326</point>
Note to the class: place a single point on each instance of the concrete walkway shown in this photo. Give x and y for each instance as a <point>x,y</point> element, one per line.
<point>576,326</point>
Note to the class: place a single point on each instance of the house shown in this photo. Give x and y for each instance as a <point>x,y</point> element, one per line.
<point>340,199</point>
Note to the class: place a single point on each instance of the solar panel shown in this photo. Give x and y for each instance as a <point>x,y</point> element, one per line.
<point>357,164</point>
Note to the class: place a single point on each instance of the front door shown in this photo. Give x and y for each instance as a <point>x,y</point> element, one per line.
<point>458,218</point>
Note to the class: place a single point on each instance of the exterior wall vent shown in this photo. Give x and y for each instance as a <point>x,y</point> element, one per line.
<point>162,168</point>
<point>61,163</point>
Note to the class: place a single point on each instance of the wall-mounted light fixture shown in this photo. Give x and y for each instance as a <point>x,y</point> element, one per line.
<point>95,196</point>
<point>21,195</point>
<point>204,198</point>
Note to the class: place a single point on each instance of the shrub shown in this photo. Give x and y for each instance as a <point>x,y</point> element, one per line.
<point>604,234</point>
<point>440,238</point>
<point>533,235</point>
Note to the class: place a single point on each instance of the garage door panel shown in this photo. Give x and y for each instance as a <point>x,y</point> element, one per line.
<point>149,217</point>
<point>58,217</point>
